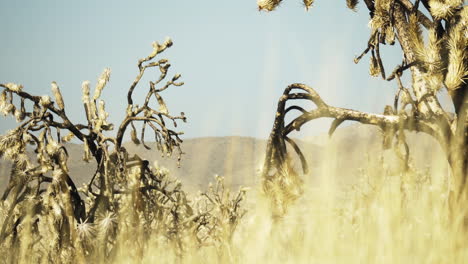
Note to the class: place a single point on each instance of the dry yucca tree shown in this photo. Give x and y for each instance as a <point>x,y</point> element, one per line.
<point>433,37</point>
<point>127,204</point>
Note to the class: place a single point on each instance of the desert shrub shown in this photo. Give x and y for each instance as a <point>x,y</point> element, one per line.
<point>127,205</point>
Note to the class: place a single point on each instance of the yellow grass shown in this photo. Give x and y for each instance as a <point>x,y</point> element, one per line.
<point>382,218</point>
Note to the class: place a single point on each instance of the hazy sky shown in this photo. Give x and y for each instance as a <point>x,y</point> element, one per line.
<point>234,60</point>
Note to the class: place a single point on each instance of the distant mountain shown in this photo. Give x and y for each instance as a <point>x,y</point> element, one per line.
<point>239,159</point>
<point>355,147</point>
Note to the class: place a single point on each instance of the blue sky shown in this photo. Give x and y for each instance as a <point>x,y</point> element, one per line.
<point>234,60</point>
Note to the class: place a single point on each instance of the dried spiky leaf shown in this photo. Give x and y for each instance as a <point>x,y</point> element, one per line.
<point>378,21</point>
<point>464,16</point>
<point>92,110</point>
<point>432,53</point>
<point>22,160</point>
<point>416,39</point>
<point>58,95</point>
<point>374,69</point>
<point>168,42</point>
<point>389,35</point>
<point>134,137</point>
<point>444,9</point>
<point>176,77</point>
<point>52,146</point>
<point>158,48</point>
<point>68,137</point>
<point>382,6</point>
<point>352,4</point>
<point>102,114</point>
<point>14,87</point>
<point>86,151</point>
<point>7,109</point>
<point>107,222</point>
<point>85,230</point>
<point>3,97</point>
<point>102,81</point>
<point>45,101</point>
<point>85,90</point>
<point>268,5</point>
<point>308,4</point>
<point>457,68</point>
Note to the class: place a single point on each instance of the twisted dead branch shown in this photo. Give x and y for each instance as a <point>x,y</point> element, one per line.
<point>433,65</point>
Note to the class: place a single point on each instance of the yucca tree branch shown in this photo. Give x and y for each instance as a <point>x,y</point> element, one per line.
<point>166,139</point>
<point>439,62</point>
<point>281,131</point>
<point>423,19</point>
<point>59,112</point>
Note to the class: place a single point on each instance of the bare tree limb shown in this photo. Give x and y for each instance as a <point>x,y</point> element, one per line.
<point>276,151</point>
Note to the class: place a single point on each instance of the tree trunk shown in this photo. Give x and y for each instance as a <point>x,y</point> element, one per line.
<point>455,142</point>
